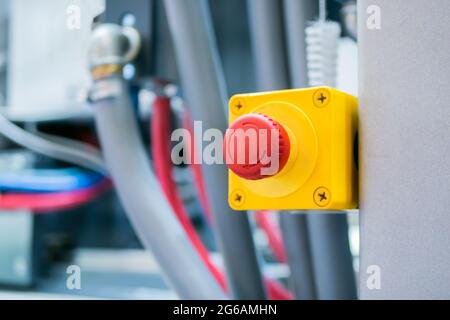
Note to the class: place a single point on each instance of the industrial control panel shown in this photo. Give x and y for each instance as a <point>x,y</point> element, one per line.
<point>315,168</point>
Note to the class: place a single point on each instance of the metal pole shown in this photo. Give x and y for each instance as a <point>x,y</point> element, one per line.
<point>328,234</point>
<point>203,84</point>
<point>272,73</point>
<point>266,30</point>
<point>404,54</point>
<point>297,14</point>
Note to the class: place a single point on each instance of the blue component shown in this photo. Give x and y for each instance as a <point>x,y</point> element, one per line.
<point>48,180</point>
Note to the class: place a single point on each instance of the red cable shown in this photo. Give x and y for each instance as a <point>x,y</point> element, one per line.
<point>48,202</point>
<point>160,129</point>
<point>264,220</point>
<point>197,170</point>
<point>161,157</point>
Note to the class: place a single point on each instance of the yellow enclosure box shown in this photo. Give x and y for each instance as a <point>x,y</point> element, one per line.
<point>320,173</point>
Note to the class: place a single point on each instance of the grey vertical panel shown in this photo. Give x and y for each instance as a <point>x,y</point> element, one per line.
<point>405,148</point>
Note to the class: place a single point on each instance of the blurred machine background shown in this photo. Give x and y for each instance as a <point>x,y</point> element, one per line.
<point>55,214</point>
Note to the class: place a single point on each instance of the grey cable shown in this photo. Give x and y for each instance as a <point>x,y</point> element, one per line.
<point>204,87</point>
<point>297,15</point>
<point>64,149</point>
<point>150,214</point>
<point>333,262</point>
<point>328,233</point>
<point>266,29</point>
<point>296,239</point>
<point>272,74</point>
<point>73,144</point>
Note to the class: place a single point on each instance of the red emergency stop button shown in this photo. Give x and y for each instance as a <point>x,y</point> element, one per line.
<point>256,146</point>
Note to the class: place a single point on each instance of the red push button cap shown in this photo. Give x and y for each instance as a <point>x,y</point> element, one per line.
<point>257,130</point>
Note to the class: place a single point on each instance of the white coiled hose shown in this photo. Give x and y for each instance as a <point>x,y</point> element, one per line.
<point>321,52</point>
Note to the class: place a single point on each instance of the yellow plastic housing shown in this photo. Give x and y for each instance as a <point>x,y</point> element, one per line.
<point>321,171</point>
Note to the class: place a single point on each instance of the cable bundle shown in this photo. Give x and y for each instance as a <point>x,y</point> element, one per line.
<point>50,190</point>
<point>160,125</point>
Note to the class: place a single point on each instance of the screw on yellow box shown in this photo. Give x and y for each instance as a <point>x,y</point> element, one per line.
<point>320,173</point>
